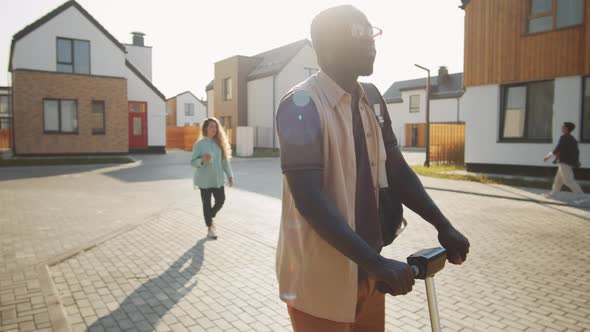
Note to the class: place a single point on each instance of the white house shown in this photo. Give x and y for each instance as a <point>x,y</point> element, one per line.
<point>259,82</point>
<point>406,104</point>
<point>533,75</point>
<point>185,109</point>
<point>78,90</point>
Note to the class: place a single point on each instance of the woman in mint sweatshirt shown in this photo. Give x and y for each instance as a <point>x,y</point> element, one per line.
<point>211,155</point>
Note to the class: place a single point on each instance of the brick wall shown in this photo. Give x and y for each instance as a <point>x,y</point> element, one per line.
<point>31,87</point>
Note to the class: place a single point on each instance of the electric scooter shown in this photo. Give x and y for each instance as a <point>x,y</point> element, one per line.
<point>425,264</point>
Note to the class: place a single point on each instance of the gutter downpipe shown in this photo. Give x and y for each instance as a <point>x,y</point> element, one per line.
<point>12,114</point>
<point>274,109</point>
<point>458,109</point>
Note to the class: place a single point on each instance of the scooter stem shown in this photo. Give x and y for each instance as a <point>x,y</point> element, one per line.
<point>432,304</point>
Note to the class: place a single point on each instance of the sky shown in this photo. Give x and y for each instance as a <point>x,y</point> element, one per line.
<point>189,36</point>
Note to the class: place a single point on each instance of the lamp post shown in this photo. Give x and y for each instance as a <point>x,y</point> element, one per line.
<point>427,161</point>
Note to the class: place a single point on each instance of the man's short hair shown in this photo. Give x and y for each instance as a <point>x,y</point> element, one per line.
<point>570,126</point>
<point>330,21</point>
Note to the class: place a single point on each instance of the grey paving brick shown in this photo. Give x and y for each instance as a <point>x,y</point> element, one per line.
<point>160,275</point>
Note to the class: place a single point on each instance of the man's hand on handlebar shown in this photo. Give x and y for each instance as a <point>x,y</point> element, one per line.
<point>455,243</point>
<point>393,277</point>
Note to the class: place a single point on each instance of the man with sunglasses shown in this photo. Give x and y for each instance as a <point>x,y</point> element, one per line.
<point>328,261</point>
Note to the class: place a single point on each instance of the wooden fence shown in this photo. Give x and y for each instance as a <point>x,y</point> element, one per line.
<point>5,139</point>
<point>185,137</point>
<point>182,137</point>
<point>419,129</point>
<point>447,143</point>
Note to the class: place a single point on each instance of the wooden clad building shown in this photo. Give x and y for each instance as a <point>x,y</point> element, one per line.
<point>526,71</point>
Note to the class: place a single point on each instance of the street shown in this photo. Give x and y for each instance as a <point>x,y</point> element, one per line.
<point>126,251</point>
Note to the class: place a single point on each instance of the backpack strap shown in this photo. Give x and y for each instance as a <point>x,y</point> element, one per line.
<point>379,108</point>
<point>377,104</point>
<point>374,97</point>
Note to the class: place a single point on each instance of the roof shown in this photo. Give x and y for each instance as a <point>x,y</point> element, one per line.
<point>451,88</point>
<point>272,61</point>
<point>127,44</point>
<point>464,4</point>
<point>187,91</point>
<point>275,60</point>
<point>209,86</point>
<point>72,3</point>
<point>144,79</point>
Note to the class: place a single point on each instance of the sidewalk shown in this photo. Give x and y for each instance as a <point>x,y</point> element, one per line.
<point>527,270</point>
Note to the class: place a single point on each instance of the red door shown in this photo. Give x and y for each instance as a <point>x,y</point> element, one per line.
<point>137,125</point>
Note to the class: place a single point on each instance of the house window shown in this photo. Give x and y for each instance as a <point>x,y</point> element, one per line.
<point>4,104</point>
<point>586,109</point>
<point>60,116</point>
<point>137,106</point>
<point>98,118</point>
<point>227,89</point>
<point>168,109</point>
<point>545,15</point>
<point>5,123</point>
<point>189,109</point>
<point>225,122</point>
<point>527,112</point>
<point>414,103</point>
<point>73,56</point>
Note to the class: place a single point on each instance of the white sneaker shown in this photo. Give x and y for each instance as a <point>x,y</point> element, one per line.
<point>211,234</point>
<point>549,194</point>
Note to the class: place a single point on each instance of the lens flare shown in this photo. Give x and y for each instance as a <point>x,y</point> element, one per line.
<point>301,98</point>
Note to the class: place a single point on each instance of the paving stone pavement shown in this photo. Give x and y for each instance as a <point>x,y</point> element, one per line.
<point>527,270</point>
<point>51,212</point>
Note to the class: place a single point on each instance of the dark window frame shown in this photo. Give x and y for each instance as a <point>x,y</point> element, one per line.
<point>503,100</point>
<point>6,120</point>
<point>96,131</point>
<point>60,132</point>
<point>582,138</point>
<point>73,63</point>
<point>553,13</point>
<point>224,89</point>
<point>8,105</point>
<point>189,109</point>
<point>410,103</point>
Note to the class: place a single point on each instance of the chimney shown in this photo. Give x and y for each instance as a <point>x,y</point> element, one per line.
<point>140,55</point>
<point>443,74</point>
<point>138,38</point>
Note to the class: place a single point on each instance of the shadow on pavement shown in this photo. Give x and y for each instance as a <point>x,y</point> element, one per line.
<point>263,177</point>
<point>31,172</point>
<point>174,165</point>
<point>152,172</point>
<point>149,303</point>
<point>554,204</point>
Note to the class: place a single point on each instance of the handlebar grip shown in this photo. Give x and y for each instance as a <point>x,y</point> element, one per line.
<point>415,270</point>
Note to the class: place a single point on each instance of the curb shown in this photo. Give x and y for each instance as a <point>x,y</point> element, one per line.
<point>57,313</point>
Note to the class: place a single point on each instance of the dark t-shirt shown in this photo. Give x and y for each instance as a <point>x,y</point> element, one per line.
<point>567,150</point>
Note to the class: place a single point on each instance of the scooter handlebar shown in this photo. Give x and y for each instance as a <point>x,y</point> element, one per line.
<point>424,264</point>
